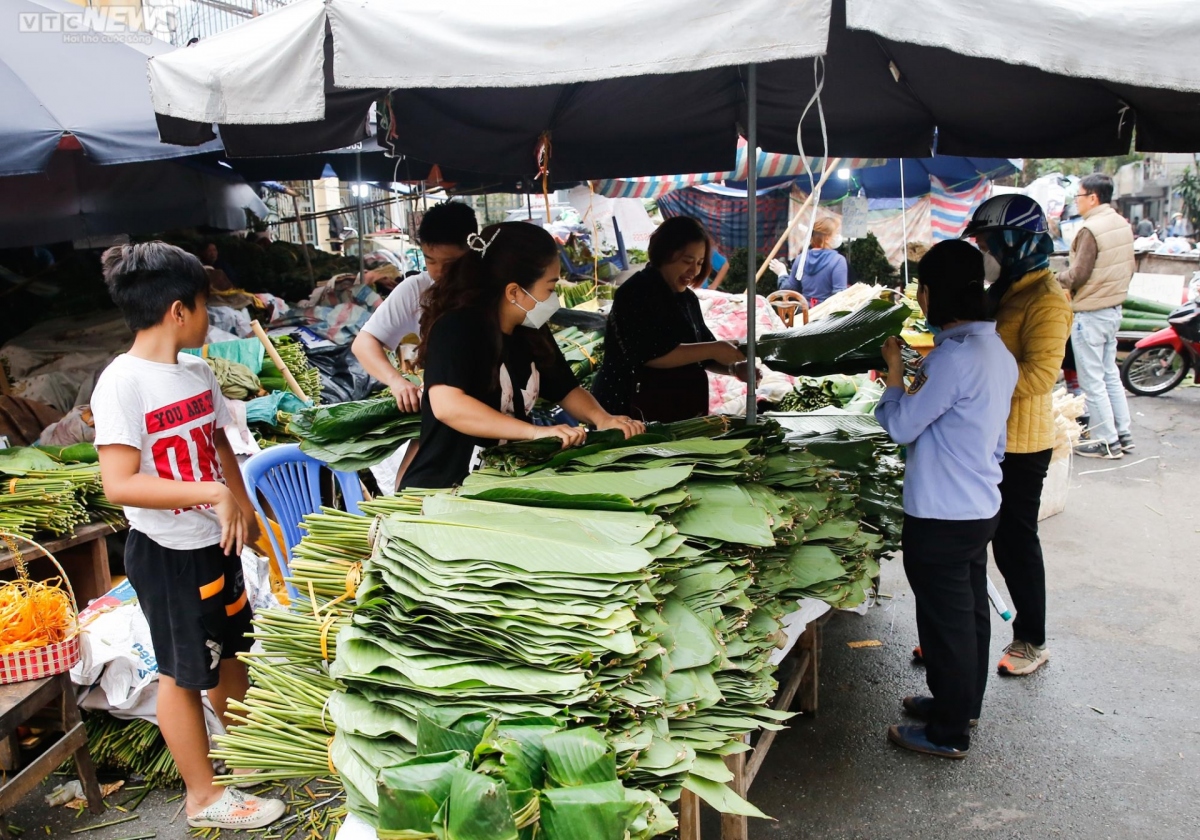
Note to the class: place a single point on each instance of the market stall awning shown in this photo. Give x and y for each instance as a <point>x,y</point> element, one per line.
<point>628,88</point>
<point>64,81</point>
<point>73,199</point>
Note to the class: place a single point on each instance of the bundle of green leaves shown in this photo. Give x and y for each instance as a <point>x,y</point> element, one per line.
<point>354,436</point>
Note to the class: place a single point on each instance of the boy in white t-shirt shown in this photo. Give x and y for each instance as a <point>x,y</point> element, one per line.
<point>160,433</point>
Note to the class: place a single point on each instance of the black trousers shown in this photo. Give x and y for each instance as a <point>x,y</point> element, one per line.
<point>946,564</point>
<point>1016,546</point>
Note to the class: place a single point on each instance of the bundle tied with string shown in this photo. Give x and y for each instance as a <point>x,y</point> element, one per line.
<point>39,631</point>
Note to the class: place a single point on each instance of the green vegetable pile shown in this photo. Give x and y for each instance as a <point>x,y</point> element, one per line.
<point>353,436</point>
<point>1141,315</point>
<point>809,395</point>
<point>52,490</point>
<point>854,393</point>
<point>583,350</point>
<point>291,352</point>
<point>135,747</point>
<point>844,343</point>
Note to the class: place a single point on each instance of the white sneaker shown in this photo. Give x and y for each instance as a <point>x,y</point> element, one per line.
<point>238,811</point>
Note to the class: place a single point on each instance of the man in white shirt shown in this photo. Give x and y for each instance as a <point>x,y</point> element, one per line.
<point>443,236</point>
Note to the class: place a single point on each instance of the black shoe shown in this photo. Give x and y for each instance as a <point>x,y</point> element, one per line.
<point>1126,441</point>
<point>914,738</point>
<point>922,707</point>
<point>1100,449</point>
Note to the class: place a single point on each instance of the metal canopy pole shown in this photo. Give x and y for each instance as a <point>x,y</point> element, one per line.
<point>752,235</point>
<point>361,220</point>
<point>904,222</point>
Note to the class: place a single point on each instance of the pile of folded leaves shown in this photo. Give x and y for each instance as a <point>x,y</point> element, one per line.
<point>354,436</point>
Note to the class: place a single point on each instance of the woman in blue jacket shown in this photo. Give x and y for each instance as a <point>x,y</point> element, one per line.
<point>953,419</point>
<point>825,270</point>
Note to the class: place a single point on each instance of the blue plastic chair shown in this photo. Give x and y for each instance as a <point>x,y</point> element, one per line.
<point>289,481</point>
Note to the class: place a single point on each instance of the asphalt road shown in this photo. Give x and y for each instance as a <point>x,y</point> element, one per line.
<point>1102,744</point>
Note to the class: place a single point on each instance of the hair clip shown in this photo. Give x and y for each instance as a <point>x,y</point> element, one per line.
<point>480,245</point>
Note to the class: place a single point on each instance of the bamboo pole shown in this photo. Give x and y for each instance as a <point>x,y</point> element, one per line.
<point>273,354</point>
<point>830,167</point>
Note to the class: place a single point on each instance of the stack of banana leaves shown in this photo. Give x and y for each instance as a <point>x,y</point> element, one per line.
<point>583,350</point>
<point>628,589</point>
<point>868,465</point>
<point>353,436</point>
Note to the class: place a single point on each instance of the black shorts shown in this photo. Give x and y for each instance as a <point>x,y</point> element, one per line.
<point>195,603</point>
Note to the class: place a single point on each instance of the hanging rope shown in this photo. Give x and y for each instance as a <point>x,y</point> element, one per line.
<point>542,156</point>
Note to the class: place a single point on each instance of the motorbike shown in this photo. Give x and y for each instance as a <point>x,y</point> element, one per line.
<point>1163,359</point>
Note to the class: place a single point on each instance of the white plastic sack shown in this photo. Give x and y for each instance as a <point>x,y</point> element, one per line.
<point>1056,488</point>
<point>794,623</point>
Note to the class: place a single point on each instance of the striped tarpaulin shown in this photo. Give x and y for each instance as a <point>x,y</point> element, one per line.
<point>725,217</point>
<point>951,207</point>
<point>770,165</point>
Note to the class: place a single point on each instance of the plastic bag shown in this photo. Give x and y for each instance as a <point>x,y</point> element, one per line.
<point>244,351</point>
<point>343,378</point>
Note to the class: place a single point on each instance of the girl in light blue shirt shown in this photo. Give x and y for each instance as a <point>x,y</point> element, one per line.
<point>952,418</point>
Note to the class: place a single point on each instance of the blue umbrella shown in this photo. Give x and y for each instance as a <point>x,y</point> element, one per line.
<point>67,80</point>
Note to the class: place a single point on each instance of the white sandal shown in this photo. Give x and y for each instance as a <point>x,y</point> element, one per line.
<point>238,811</point>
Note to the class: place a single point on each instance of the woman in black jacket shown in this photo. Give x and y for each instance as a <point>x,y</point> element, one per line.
<point>656,344</point>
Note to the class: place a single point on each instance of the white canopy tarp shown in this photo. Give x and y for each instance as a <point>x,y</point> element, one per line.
<point>269,70</point>
<point>1146,43</point>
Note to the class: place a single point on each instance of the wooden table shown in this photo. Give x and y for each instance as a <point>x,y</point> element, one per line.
<point>21,701</point>
<point>83,555</point>
<point>803,682</point>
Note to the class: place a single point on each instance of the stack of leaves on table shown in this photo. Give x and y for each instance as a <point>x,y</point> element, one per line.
<point>631,587</point>
<point>52,489</point>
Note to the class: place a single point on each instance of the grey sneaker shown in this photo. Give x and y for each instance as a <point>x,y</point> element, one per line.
<point>1099,449</point>
<point>1022,658</point>
<point>1126,441</point>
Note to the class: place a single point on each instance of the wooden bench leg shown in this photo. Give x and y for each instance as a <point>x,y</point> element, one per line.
<point>83,759</point>
<point>810,683</point>
<point>734,827</point>
<point>689,816</point>
<point>87,567</point>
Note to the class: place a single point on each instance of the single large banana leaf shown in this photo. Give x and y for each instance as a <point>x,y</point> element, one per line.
<point>521,540</point>
<point>720,797</point>
<point>590,812</point>
<point>631,485</point>
<point>477,809</point>
<point>440,731</point>
<point>847,343</point>
<point>411,794</point>
<point>578,757</point>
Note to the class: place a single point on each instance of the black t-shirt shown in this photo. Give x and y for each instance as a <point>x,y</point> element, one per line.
<point>461,345</point>
<point>649,320</point>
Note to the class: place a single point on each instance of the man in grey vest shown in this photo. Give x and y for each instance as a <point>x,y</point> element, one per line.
<point>1102,264</point>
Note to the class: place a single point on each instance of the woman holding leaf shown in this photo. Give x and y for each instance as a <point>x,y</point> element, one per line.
<point>953,418</point>
<point>489,356</point>
<point>657,347</point>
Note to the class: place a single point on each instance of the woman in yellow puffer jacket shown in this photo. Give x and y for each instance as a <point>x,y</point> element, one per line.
<point>1033,319</point>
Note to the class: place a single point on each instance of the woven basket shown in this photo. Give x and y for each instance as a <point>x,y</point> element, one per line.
<point>48,660</point>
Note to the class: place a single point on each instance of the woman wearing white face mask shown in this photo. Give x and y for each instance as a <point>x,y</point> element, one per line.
<point>1033,319</point>
<point>657,346</point>
<point>489,356</point>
